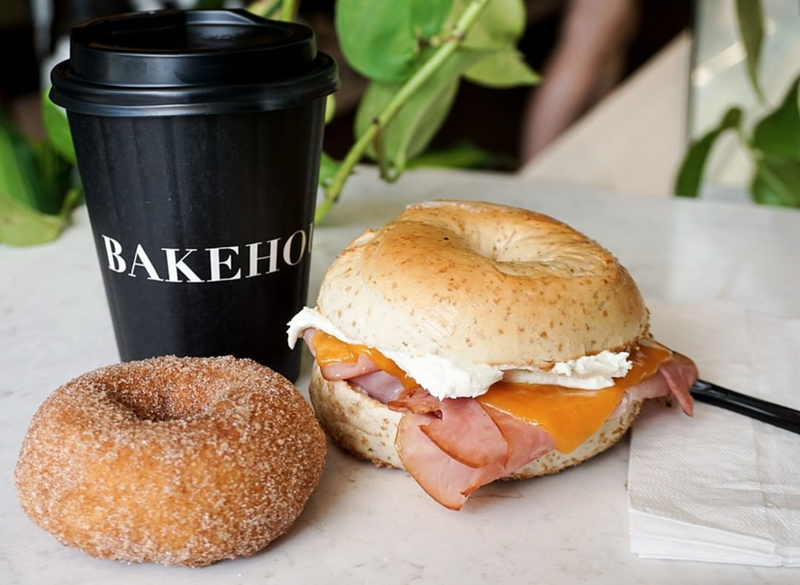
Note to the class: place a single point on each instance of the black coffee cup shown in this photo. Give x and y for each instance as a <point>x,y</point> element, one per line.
<point>198,136</point>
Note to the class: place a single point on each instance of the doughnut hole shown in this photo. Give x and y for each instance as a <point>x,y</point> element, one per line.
<point>181,394</point>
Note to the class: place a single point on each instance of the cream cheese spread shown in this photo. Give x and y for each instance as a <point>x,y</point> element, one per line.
<point>446,377</point>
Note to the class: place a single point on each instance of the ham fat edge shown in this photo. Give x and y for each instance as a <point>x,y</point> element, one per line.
<point>454,446</point>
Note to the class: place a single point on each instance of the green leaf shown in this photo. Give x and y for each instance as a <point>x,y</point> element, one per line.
<point>691,172</point>
<point>751,28</point>
<point>328,167</point>
<point>500,25</point>
<point>420,118</point>
<point>777,182</point>
<point>506,68</point>
<point>415,124</point>
<point>57,126</point>
<point>778,134</point>
<point>19,175</point>
<point>381,40</point>
<point>266,8</point>
<point>32,178</point>
<point>22,226</point>
<point>32,173</point>
<point>463,156</point>
<point>429,16</point>
<point>776,141</point>
<point>55,178</point>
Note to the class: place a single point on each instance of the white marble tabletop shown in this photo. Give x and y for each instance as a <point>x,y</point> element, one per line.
<point>369,525</point>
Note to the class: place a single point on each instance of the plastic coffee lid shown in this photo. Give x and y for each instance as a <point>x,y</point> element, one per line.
<point>173,62</point>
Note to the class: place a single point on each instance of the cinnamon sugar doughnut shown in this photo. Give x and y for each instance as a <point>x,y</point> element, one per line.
<point>179,461</point>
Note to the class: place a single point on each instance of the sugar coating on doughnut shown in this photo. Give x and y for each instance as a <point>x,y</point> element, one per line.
<point>179,461</point>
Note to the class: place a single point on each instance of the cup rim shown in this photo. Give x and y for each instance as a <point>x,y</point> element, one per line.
<point>211,61</point>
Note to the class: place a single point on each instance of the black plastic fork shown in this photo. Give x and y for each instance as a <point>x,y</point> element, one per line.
<point>774,414</point>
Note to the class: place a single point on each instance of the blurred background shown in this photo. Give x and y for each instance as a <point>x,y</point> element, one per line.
<point>627,86</point>
<point>33,30</point>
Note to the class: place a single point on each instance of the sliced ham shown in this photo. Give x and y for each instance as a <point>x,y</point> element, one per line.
<point>349,370</point>
<point>680,375</point>
<point>342,370</point>
<point>443,478</point>
<point>379,385</point>
<point>308,336</point>
<point>526,442</point>
<point>448,464</point>
<point>653,387</point>
<point>454,446</point>
<point>467,434</point>
<point>416,400</point>
<point>675,377</point>
<point>363,372</point>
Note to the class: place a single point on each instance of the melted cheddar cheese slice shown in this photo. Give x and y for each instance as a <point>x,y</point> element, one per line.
<point>330,350</point>
<point>569,415</point>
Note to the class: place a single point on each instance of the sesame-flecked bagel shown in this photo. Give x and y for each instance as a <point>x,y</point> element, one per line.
<point>179,461</point>
<point>485,283</point>
<point>368,428</point>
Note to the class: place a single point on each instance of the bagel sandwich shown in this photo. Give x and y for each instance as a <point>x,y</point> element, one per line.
<point>467,342</point>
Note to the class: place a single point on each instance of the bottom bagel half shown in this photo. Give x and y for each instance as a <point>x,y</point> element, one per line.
<point>367,428</point>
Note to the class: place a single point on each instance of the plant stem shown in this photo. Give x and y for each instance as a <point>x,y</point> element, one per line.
<point>288,11</point>
<point>449,46</point>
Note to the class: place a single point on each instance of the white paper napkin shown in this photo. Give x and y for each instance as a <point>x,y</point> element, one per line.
<point>720,487</point>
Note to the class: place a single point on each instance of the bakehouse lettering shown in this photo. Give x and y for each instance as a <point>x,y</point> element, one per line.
<point>143,260</point>
<point>114,254</point>
<point>189,265</point>
<point>213,258</point>
<point>272,257</point>
<point>174,265</point>
<point>287,248</point>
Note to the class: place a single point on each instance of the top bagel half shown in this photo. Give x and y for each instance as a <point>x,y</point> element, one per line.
<point>483,282</point>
